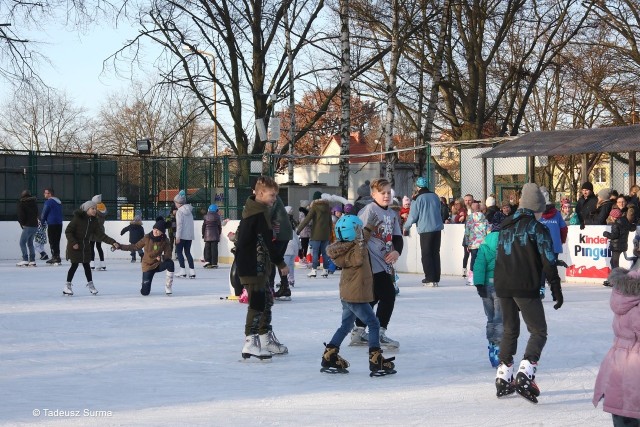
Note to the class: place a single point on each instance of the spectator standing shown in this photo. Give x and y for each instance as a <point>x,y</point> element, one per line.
<point>28,220</point>
<point>52,217</point>
<point>320,218</point>
<point>586,205</point>
<point>364,197</point>
<point>211,229</point>
<point>468,201</point>
<point>404,211</point>
<point>558,230</point>
<point>185,233</point>
<point>492,209</point>
<point>603,207</point>
<point>628,209</point>
<point>136,233</point>
<point>618,237</point>
<point>444,209</point>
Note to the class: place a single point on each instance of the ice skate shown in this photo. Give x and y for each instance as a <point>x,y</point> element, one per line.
<point>252,348</point>
<point>133,260</point>
<point>270,343</point>
<point>92,288</point>
<point>387,342</point>
<point>292,284</point>
<point>44,256</point>
<point>67,289</point>
<point>92,265</point>
<point>283,293</point>
<point>504,380</point>
<point>325,273</point>
<point>182,273</point>
<point>55,260</point>
<point>470,278</point>
<point>378,365</point>
<point>464,272</point>
<point>101,266</point>
<point>494,352</point>
<point>22,264</point>
<point>168,283</point>
<point>331,362</point>
<point>312,273</point>
<point>359,336</point>
<point>32,263</point>
<point>525,384</point>
<point>542,292</point>
<point>192,273</point>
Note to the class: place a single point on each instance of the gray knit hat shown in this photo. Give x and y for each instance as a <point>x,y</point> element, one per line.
<point>532,198</point>
<point>181,197</point>
<point>364,190</point>
<point>604,194</point>
<point>88,205</point>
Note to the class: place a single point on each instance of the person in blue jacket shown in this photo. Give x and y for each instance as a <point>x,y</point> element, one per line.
<point>52,216</point>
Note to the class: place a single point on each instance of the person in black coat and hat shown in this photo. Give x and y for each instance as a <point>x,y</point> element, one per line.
<point>586,205</point>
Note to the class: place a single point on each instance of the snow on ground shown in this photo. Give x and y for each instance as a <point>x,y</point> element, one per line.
<point>122,359</point>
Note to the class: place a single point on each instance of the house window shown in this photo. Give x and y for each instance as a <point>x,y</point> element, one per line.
<point>600,175</point>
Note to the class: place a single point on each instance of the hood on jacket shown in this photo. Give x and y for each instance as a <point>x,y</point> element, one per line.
<point>55,199</point>
<point>28,199</point>
<point>627,282</point>
<point>338,249</point>
<point>512,220</point>
<point>251,207</point>
<point>186,209</point>
<point>422,191</point>
<point>550,212</point>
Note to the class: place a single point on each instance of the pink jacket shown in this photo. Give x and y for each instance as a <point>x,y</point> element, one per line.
<point>618,380</point>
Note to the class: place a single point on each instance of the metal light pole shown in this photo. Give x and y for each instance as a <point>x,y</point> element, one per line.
<point>215,103</point>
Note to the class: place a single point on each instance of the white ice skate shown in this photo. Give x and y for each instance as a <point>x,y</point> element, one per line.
<point>182,273</point>
<point>22,264</point>
<point>252,348</point>
<point>387,342</point>
<point>192,273</point>
<point>504,380</point>
<point>312,273</point>
<point>359,336</point>
<point>168,283</point>
<point>270,343</point>
<point>68,289</point>
<point>92,288</point>
<point>32,263</point>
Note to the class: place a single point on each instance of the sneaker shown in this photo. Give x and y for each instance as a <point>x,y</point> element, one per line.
<point>270,343</point>
<point>504,380</point>
<point>32,263</point>
<point>252,348</point>
<point>68,289</point>
<point>22,264</point>
<point>359,336</point>
<point>312,273</point>
<point>92,288</point>
<point>385,341</point>
<point>525,381</point>
<point>44,256</point>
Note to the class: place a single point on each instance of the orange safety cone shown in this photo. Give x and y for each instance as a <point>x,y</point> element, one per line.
<point>296,259</point>
<point>309,258</point>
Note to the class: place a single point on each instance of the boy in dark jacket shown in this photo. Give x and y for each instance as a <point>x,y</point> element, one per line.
<point>136,233</point>
<point>586,206</point>
<point>28,219</point>
<point>255,254</point>
<point>618,237</point>
<point>211,229</point>
<point>525,249</point>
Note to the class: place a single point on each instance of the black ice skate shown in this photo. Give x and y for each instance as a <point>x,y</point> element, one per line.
<point>378,365</point>
<point>331,362</point>
<point>525,384</point>
<point>283,293</point>
<point>504,380</point>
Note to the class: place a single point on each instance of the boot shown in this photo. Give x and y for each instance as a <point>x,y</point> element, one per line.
<point>181,273</point>
<point>270,343</point>
<point>378,365</point>
<point>24,263</point>
<point>312,273</point>
<point>387,342</point>
<point>92,288</point>
<point>252,348</point>
<point>102,266</point>
<point>44,256</point>
<point>504,380</point>
<point>332,362</point>
<point>525,381</point>
<point>92,265</point>
<point>359,336</point>
<point>192,273</point>
<point>67,289</point>
<point>325,273</point>
<point>283,293</point>
<point>168,283</point>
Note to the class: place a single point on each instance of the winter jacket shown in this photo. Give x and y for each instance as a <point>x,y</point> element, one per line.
<point>254,247</point>
<point>491,211</point>
<point>356,278</point>
<point>460,217</point>
<point>156,250</point>
<point>306,231</point>
<point>284,232</point>
<point>475,230</point>
<point>184,223</point>
<point>320,214</point>
<point>52,211</point>
<point>101,218</point>
<point>136,231</point>
<point>28,212</point>
<point>82,230</point>
<point>603,208</point>
<point>485,264</point>
<point>425,212</point>
<point>171,225</point>
<point>525,249</point>
<point>585,209</point>
<point>619,374</point>
<point>211,227</point>
<point>619,236</point>
<point>557,227</point>
<point>293,247</point>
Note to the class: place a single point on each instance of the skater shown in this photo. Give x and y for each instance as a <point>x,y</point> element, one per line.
<point>81,230</point>
<point>305,233</point>
<point>211,229</point>
<point>320,216</point>
<point>290,254</point>
<point>40,240</point>
<point>52,218</point>
<point>475,230</point>
<point>524,249</point>
<point>185,234</point>
<point>356,291</point>
<point>425,213</point>
<point>255,254</point>
<point>101,216</point>
<point>28,220</point>
<point>558,230</point>
<point>619,376</point>
<point>283,233</point>
<point>618,237</point>
<point>385,246</point>
<point>136,233</point>
<point>483,279</point>
<point>156,258</point>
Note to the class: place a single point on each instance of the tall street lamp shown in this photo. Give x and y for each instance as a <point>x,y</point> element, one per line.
<point>215,105</point>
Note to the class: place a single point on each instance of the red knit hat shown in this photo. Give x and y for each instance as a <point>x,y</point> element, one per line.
<point>615,213</point>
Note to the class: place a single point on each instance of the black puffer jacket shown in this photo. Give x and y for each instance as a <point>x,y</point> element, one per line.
<point>28,212</point>
<point>619,235</point>
<point>82,230</point>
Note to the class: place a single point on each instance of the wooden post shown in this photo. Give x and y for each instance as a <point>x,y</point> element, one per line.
<point>484,179</point>
<point>632,170</point>
<point>531,160</point>
<point>585,168</point>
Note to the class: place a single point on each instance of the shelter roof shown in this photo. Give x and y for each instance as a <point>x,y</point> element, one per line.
<point>570,142</point>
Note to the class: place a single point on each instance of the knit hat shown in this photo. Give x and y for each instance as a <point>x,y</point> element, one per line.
<point>421,182</point>
<point>102,208</point>
<point>348,208</point>
<point>137,218</point>
<point>317,195</point>
<point>604,194</point>
<point>615,213</point>
<point>491,201</point>
<point>532,198</point>
<point>213,208</point>
<point>288,209</point>
<point>97,198</point>
<point>304,203</point>
<point>365,189</point>
<point>406,201</point>
<point>88,205</point>
<point>181,198</point>
<point>337,208</point>
<point>545,194</point>
<point>587,186</point>
<point>160,224</point>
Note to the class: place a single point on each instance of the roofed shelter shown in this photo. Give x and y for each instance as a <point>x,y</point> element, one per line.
<point>567,143</point>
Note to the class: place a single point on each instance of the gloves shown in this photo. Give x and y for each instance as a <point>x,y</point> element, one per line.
<point>482,291</point>
<point>556,293</point>
<point>581,226</point>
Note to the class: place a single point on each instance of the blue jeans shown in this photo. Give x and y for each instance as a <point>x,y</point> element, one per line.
<point>493,311</point>
<point>147,276</point>
<point>26,241</point>
<point>184,245</point>
<point>319,247</point>
<point>364,312</point>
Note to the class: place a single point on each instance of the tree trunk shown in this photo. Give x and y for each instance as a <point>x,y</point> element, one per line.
<point>345,96</point>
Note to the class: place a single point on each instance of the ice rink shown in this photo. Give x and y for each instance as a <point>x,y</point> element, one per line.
<point>122,359</point>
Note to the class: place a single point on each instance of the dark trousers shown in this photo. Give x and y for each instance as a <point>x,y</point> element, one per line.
<point>74,267</point>
<point>259,315</point>
<point>211,253</point>
<point>140,252</point>
<point>280,247</point>
<point>147,276</point>
<point>430,248</point>
<point>533,316</point>
<point>465,259</point>
<point>615,259</point>
<point>54,233</point>
<point>620,421</point>
<point>304,246</point>
<point>385,296</point>
<point>96,246</point>
<point>183,249</point>
<point>473,253</point>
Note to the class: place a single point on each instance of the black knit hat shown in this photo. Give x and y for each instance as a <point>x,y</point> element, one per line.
<point>587,186</point>
<point>160,224</point>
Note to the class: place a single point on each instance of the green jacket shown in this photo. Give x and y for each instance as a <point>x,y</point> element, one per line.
<point>320,214</point>
<point>485,262</point>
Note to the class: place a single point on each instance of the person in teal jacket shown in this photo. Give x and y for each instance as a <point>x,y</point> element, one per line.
<point>483,268</point>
